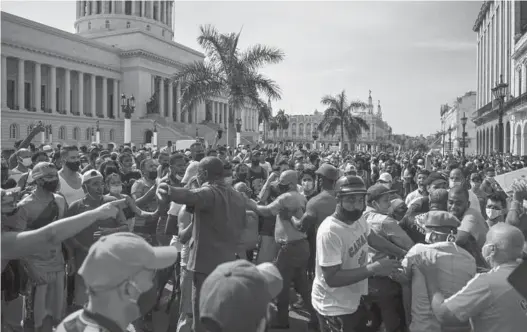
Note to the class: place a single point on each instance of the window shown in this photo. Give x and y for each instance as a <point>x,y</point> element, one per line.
<point>99,7</point>
<point>107,24</point>
<point>62,132</point>
<point>156,13</point>
<point>128,8</point>
<point>128,25</point>
<point>89,25</point>
<point>13,131</point>
<point>112,135</point>
<point>76,134</point>
<point>11,94</point>
<point>110,106</point>
<point>147,27</point>
<point>42,97</point>
<point>88,134</point>
<point>27,95</point>
<point>110,6</point>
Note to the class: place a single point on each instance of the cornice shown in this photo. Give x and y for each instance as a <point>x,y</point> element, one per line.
<point>58,55</point>
<point>152,56</point>
<point>481,15</point>
<point>7,17</point>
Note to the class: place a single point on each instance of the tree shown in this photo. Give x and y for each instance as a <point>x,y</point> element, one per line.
<point>282,120</point>
<point>338,114</point>
<point>273,125</point>
<point>229,72</point>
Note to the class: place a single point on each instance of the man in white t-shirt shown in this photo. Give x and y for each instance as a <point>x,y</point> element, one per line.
<point>342,270</point>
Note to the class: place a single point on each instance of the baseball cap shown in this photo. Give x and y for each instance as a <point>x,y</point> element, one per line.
<point>236,295</point>
<point>378,190</point>
<point>289,177</point>
<point>47,148</point>
<point>93,174</point>
<point>42,169</point>
<point>119,256</point>
<point>328,171</point>
<point>435,177</point>
<point>440,219</point>
<point>386,177</point>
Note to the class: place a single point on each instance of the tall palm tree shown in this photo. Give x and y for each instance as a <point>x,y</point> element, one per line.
<point>229,72</point>
<point>338,114</point>
<point>282,120</point>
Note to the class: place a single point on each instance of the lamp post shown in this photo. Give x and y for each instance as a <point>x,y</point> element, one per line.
<point>154,136</point>
<point>97,133</point>
<point>464,134</point>
<point>315,137</point>
<point>450,128</point>
<point>49,129</point>
<point>500,92</point>
<point>128,106</point>
<point>238,132</point>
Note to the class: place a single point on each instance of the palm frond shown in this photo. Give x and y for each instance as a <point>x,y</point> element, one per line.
<point>259,55</point>
<point>264,85</point>
<point>353,126</point>
<point>211,41</point>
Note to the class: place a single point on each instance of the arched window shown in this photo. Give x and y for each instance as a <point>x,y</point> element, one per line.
<point>88,134</point>
<point>76,134</point>
<point>62,132</point>
<point>148,27</point>
<point>112,135</point>
<point>107,24</point>
<point>13,131</point>
<point>89,25</point>
<point>127,25</point>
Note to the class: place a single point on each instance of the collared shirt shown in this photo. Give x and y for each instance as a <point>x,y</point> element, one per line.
<point>455,266</point>
<point>413,196</point>
<point>490,302</point>
<point>286,205</point>
<point>346,245</point>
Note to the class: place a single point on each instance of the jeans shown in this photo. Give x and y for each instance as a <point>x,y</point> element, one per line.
<point>386,295</point>
<point>292,263</point>
<point>355,322</point>
<point>185,305</point>
<point>197,281</point>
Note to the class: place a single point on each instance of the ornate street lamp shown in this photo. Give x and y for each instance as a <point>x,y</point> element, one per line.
<point>238,132</point>
<point>128,107</point>
<point>315,137</point>
<point>97,132</point>
<point>450,129</point>
<point>464,134</point>
<point>500,91</point>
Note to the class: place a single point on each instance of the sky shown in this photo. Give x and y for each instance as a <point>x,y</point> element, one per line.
<point>413,56</point>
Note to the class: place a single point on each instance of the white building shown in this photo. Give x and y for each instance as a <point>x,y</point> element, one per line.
<point>452,126</point>
<point>70,81</point>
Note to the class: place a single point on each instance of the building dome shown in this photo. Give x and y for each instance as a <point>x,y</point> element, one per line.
<point>96,18</point>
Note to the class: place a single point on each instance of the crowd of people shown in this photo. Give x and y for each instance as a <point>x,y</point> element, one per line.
<point>354,241</point>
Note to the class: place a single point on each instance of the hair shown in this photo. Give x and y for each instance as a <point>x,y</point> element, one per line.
<point>67,148</point>
<point>38,154</point>
<point>143,163</point>
<point>308,171</point>
<point>175,157</point>
<point>424,172</point>
<point>460,189</point>
<point>495,197</point>
<point>439,198</point>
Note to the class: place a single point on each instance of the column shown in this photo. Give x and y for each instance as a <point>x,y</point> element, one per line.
<point>80,98</point>
<point>114,10</point>
<point>93,95</point>
<point>136,7</point>
<point>20,81</point>
<point>517,87</point>
<point>151,9</point>
<point>104,8</point>
<point>178,103</point>
<point>171,100</point>
<point>53,88</point>
<point>162,96</point>
<point>116,99</point>
<point>167,15</point>
<point>78,6</point>
<point>4,81</point>
<point>143,8</point>
<point>524,78</point>
<point>215,112</point>
<point>479,77</point>
<point>158,10</point>
<point>501,41</point>
<point>67,95</point>
<point>105,97</point>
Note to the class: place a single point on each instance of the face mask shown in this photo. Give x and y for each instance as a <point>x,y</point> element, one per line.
<point>283,188</point>
<point>255,162</point>
<point>147,300</point>
<point>26,162</point>
<point>73,165</point>
<point>452,184</point>
<point>198,156</point>
<point>308,185</point>
<point>492,213</point>
<point>116,190</point>
<point>152,175</point>
<point>50,186</point>
<point>474,185</point>
<point>349,215</point>
<point>241,176</point>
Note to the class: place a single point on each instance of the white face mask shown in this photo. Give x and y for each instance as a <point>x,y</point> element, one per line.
<point>308,185</point>
<point>452,184</point>
<point>116,189</point>
<point>492,213</point>
<point>387,185</point>
<point>26,162</point>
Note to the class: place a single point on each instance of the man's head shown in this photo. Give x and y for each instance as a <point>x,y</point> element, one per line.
<point>241,172</point>
<point>149,168</point>
<point>351,192</point>
<point>255,158</point>
<point>197,151</point>
<point>243,188</point>
<point>379,198</point>
<point>178,165</point>
<point>236,297</point>
<point>439,200</point>
<point>490,172</point>
<point>127,160</point>
<point>119,271</point>
<point>70,157</point>
<point>475,181</point>
<point>504,244</point>
<point>435,181</point>
<point>210,169</point>
<point>23,157</point>
<point>397,209</point>
<point>386,180</point>
<point>307,179</point>
<point>93,184</point>
<point>456,177</point>
<point>288,181</point>
<point>440,226</point>
<point>495,207</point>
<point>46,176</point>
<point>421,178</point>
<point>458,201</point>
<point>328,176</point>
<point>39,157</point>
<point>164,158</point>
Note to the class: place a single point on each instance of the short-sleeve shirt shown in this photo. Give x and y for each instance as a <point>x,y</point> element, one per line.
<point>294,203</point>
<point>139,189</point>
<point>490,302</point>
<point>474,223</point>
<point>455,266</point>
<point>346,245</point>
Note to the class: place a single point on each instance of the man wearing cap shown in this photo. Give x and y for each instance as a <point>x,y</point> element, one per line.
<point>341,266</point>
<point>454,267</point>
<point>384,292</point>
<point>487,300</point>
<point>237,297</point>
<point>422,175</point>
<point>119,274</point>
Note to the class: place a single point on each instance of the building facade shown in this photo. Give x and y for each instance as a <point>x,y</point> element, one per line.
<point>302,127</point>
<point>501,55</point>
<point>452,127</point>
<point>75,82</point>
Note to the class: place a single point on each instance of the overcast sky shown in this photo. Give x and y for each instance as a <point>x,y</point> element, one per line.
<point>414,56</point>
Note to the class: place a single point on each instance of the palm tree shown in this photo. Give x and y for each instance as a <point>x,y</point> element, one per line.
<point>282,120</point>
<point>338,114</point>
<point>273,125</point>
<point>229,72</point>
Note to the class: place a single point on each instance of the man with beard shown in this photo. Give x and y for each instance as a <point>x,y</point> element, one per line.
<point>219,219</point>
<point>143,192</point>
<point>23,158</point>
<point>43,304</point>
<point>197,152</point>
<point>69,176</point>
<point>341,266</point>
<point>93,186</point>
<point>257,174</point>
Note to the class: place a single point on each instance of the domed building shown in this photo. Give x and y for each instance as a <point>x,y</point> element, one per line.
<point>81,85</point>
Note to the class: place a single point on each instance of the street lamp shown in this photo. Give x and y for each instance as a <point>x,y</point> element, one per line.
<point>464,134</point>
<point>315,137</point>
<point>97,133</point>
<point>128,106</point>
<point>500,92</point>
<point>238,132</point>
<point>450,128</point>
